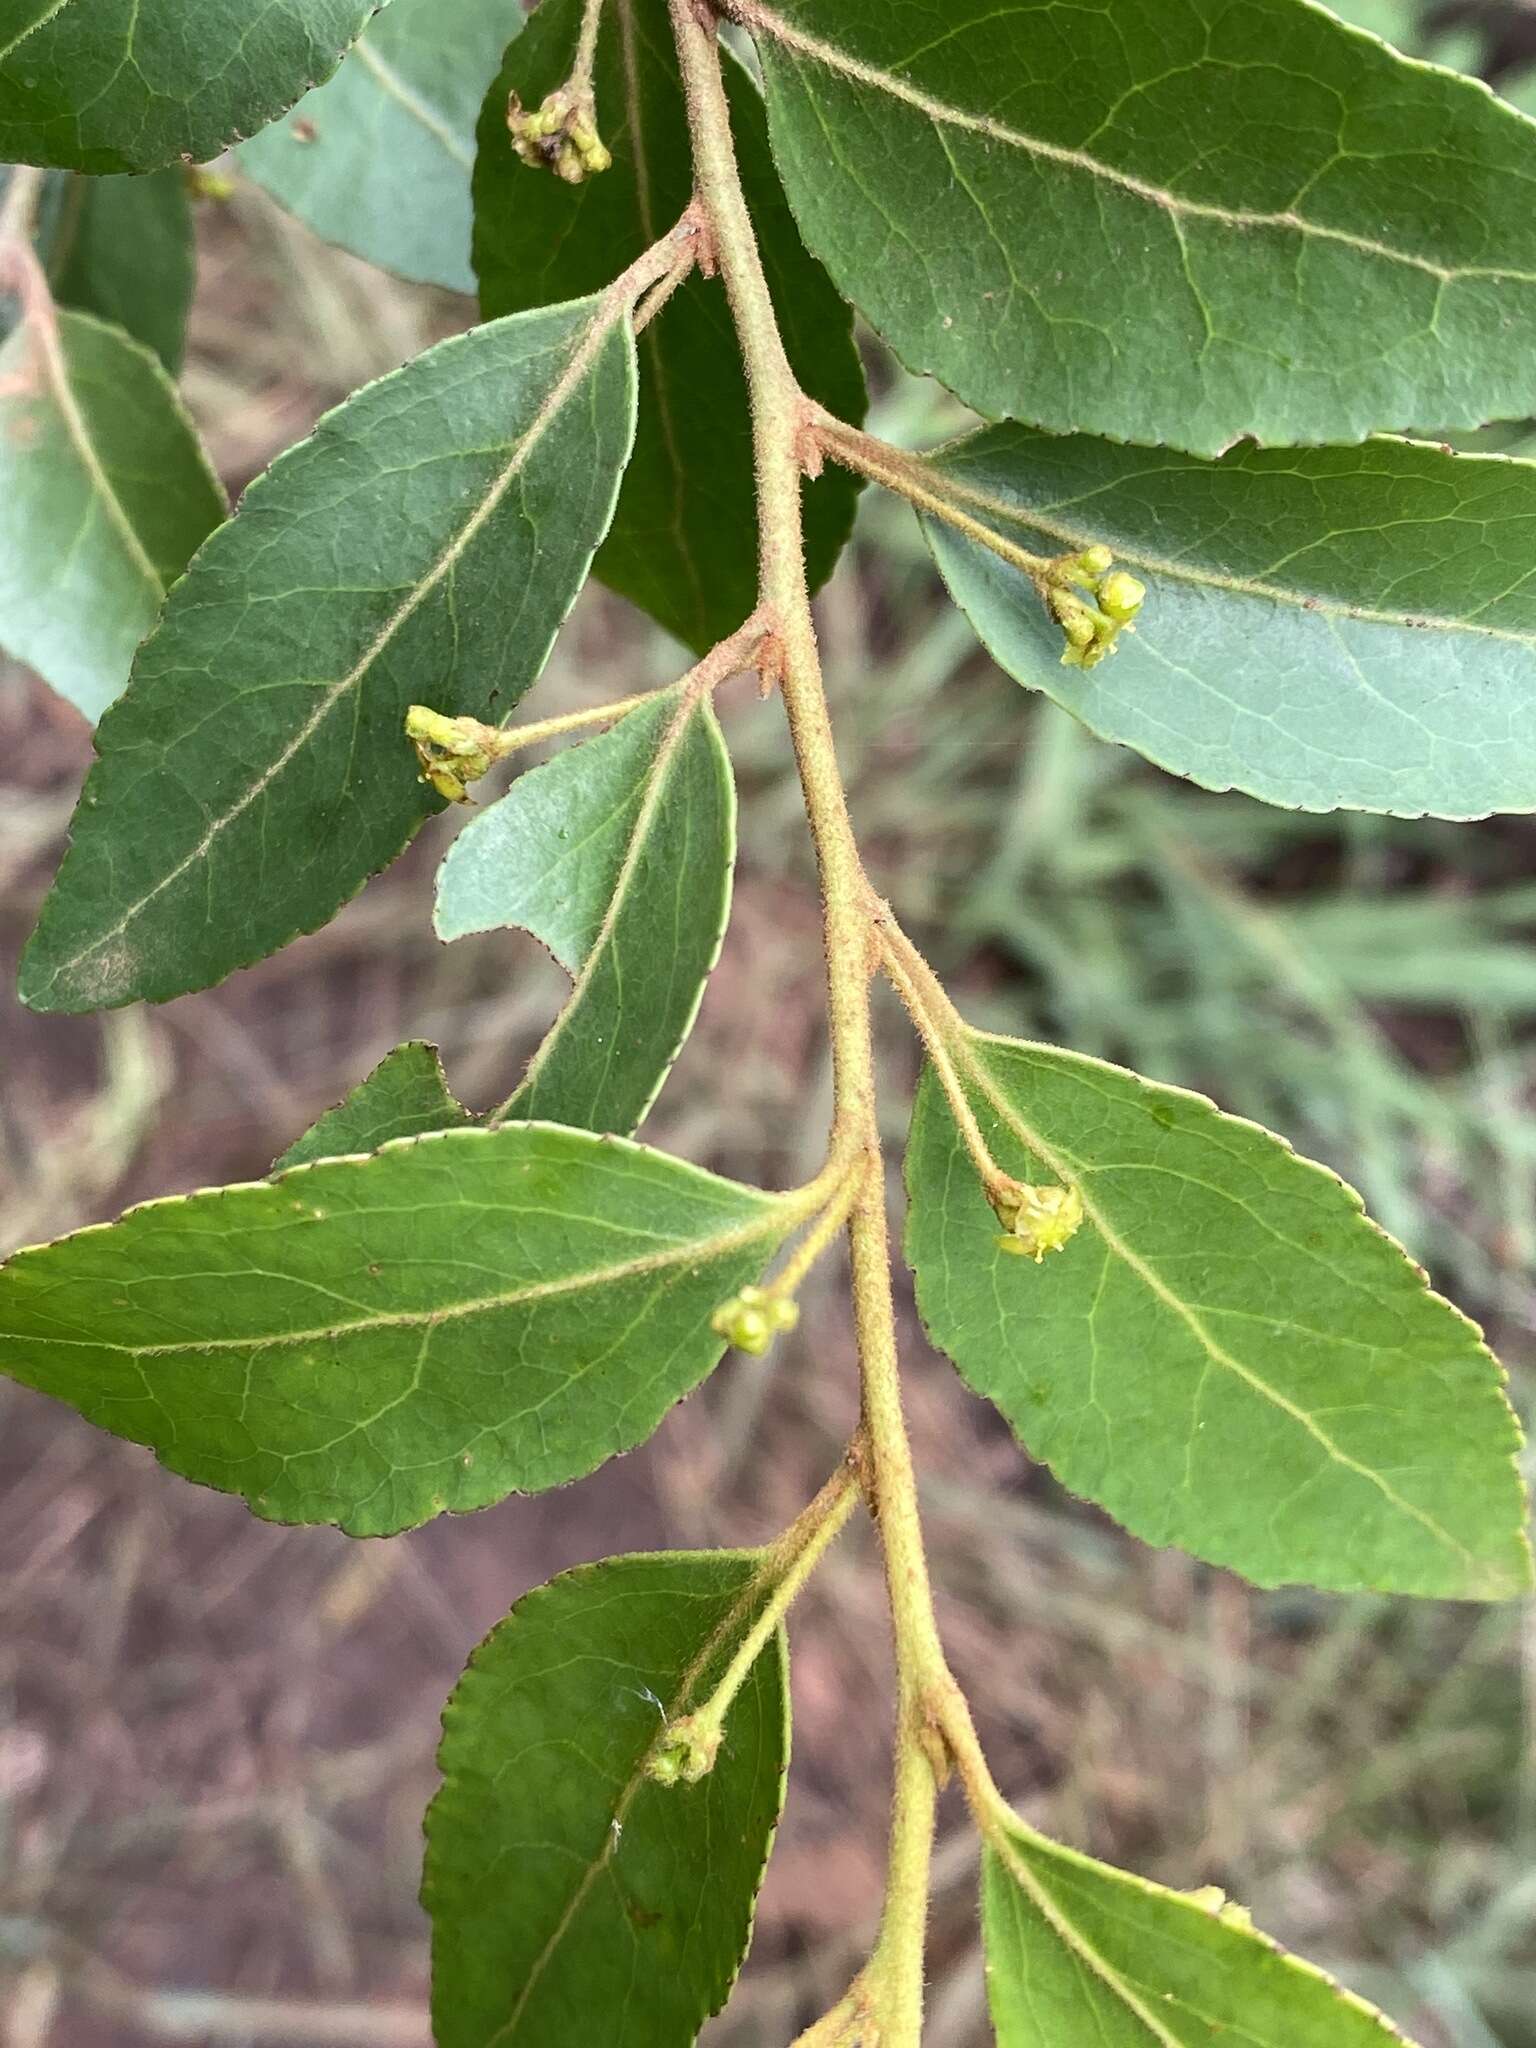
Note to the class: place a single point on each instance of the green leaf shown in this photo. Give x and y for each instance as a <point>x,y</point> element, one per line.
<point>572,1898</point>
<point>684,539</point>
<point>104,493</point>
<point>370,1342</point>
<point>1228,1355</point>
<point>1327,627</point>
<point>425,543</point>
<point>133,85</point>
<point>1077,1951</point>
<point>405,1096</point>
<point>122,248</point>
<point>1194,223</point>
<point>1395,21</point>
<point>378,159</point>
<point>617,855</point>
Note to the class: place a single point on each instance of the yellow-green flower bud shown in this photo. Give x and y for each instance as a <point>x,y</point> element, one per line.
<point>1121,596</point>
<point>1037,1219</point>
<point>1094,561</point>
<point>752,1319</point>
<point>685,1752</point>
<point>561,136</point>
<point>453,752</point>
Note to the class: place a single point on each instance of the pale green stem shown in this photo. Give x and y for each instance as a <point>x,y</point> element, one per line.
<point>506,740</point>
<point>688,1746</point>
<point>832,1220</point>
<point>915,982</point>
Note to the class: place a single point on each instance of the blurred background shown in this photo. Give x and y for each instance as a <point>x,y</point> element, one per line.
<point>216,1736</point>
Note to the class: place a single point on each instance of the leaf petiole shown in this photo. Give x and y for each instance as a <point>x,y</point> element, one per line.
<point>686,1748</point>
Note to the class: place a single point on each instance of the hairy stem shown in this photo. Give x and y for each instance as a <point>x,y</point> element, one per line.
<point>893,1981</point>
<point>936,1024</point>
<point>586,46</point>
<point>916,480</point>
<point>828,1226</point>
<point>686,1749</point>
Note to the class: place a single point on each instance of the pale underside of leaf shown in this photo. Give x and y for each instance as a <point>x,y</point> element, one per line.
<point>430,119</point>
<point>378,160</point>
<point>102,525</point>
<point>1323,628</point>
<point>640,826</point>
<point>42,343</point>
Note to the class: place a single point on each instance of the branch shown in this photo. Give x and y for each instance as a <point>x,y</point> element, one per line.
<point>890,1989</point>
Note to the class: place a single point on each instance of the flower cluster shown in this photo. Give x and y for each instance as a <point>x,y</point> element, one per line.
<point>453,752</point>
<point>752,1319</point>
<point>1036,1220</point>
<point>561,135</point>
<point>1094,622</point>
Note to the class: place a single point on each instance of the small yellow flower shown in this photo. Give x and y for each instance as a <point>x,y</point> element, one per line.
<point>1037,1219</point>
<point>752,1319</point>
<point>1091,624</point>
<point>453,752</point>
<point>1121,596</point>
<point>561,135</point>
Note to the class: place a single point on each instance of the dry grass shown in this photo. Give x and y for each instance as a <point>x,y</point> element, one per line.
<point>216,1736</point>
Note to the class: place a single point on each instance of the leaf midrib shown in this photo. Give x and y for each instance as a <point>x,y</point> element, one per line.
<point>42,329</point>
<point>1077,1944</point>
<point>763,21</point>
<point>729,1624</point>
<point>1199,577</point>
<point>400,90</point>
<point>963,1048</point>
<point>658,777</point>
<point>769,1223</point>
<point>1005,1841</point>
<point>606,314</point>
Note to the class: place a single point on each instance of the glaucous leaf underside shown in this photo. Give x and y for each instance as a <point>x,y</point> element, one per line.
<point>424,544</point>
<point>1324,627</point>
<point>617,855</point>
<point>370,1342</point>
<point>378,159</point>
<point>104,494</point>
<point>1228,1355</point>
<point>573,1898</point>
